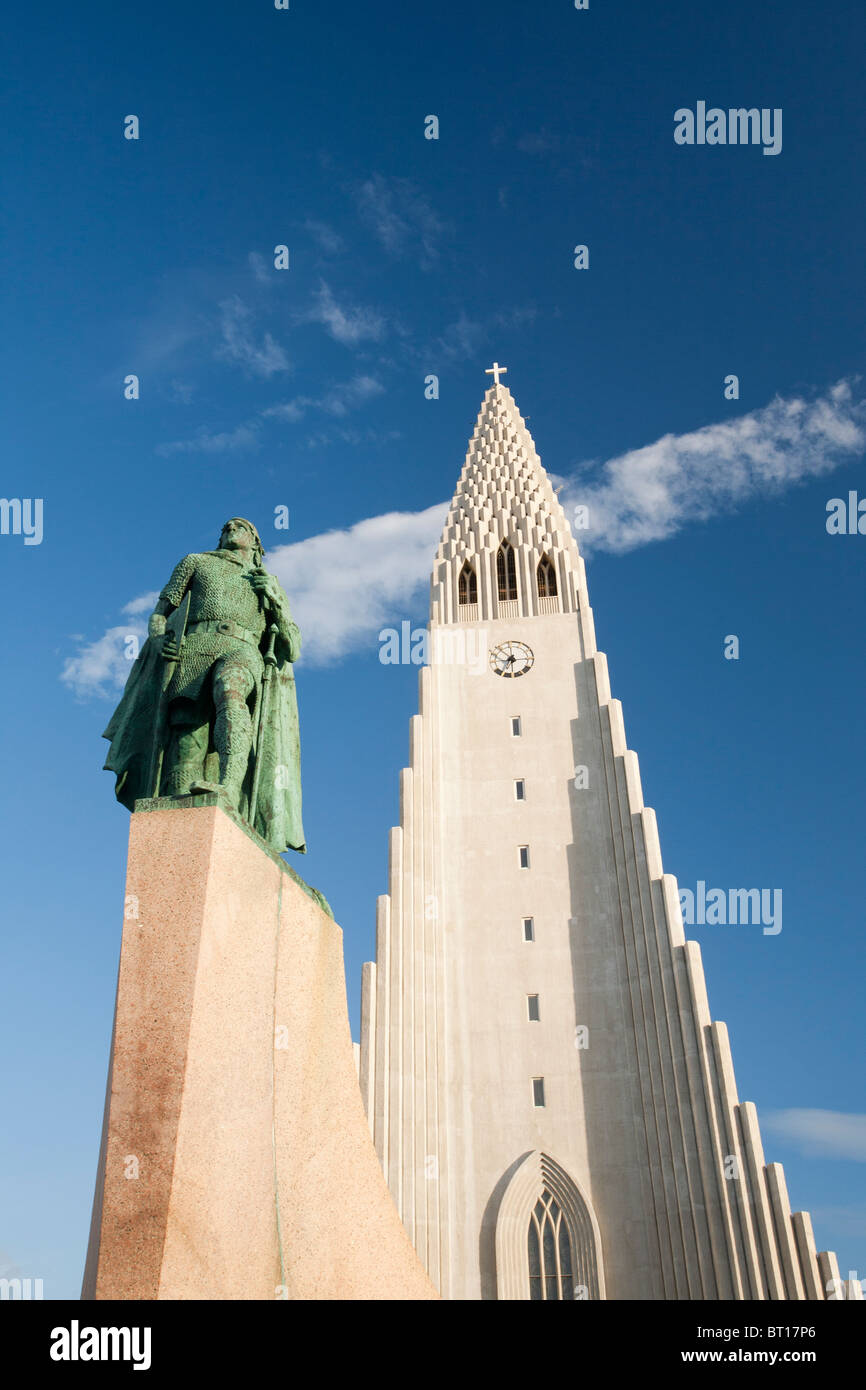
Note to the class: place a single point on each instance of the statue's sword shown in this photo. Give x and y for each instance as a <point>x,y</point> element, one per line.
<point>264,708</point>
<point>176,625</point>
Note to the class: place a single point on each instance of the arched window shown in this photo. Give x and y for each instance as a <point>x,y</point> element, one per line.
<point>546,576</point>
<point>467,585</point>
<point>506,571</point>
<point>549,1246</point>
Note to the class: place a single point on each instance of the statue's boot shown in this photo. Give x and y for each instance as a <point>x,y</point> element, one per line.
<point>181,779</point>
<point>232,729</point>
<point>233,767</point>
<point>188,761</point>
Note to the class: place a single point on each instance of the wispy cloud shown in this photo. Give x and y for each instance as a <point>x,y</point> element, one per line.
<point>143,604</point>
<point>259,267</point>
<point>401,218</point>
<point>820,1133</point>
<point>322,439</point>
<point>237,344</point>
<point>323,233</point>
<point>176,326</point>
<point>243,438</point>
<point>840,1223</point>
<point>565,153</point>
<point>338,400</point>
<point>343,593</point>
<point>9,1269</point>
<point>651,493</point>
<point>181,392</point>
<point>348,324</point>
<point>462,339</point>
<point>538,142</point>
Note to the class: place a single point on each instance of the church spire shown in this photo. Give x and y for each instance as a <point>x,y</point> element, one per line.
<point>504,498</point>
<point>536,1032</point>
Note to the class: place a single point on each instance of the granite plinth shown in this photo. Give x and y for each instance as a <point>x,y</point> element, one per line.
<point>236,1160</point>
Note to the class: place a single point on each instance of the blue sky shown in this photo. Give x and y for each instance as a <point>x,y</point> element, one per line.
<point>305,388</point>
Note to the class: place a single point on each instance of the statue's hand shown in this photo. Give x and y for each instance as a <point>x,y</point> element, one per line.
<point>170,650</point>
<point>267,585</point>
<point>156,625</point>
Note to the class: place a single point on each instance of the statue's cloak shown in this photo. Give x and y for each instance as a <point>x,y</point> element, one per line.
<point>130,732</point>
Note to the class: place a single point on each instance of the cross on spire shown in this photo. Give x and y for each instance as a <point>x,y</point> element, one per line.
<point>494,372</point>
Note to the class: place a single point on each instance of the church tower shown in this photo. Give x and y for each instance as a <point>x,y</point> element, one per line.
<point>552,1103</point>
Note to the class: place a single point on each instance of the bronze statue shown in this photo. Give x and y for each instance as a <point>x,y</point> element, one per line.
<point>210,702</point>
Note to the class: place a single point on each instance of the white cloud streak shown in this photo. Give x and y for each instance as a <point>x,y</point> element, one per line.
<point>143,604</point>
<point>346,324</point>
<point>651,493</point>
<point>840,1223</point>
<point>820,1133</point>
<point>259,267</point>
<point>400,218</point>
<point>339,400</point>
<point>102,666</point>
<point>330,241</point>
<point>345,585</point>
<point>243,438</point>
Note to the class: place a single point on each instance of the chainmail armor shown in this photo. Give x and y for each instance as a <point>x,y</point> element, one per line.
<point>219,589</point>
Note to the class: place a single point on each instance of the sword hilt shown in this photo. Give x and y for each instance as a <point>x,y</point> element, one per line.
<point>273,633</point>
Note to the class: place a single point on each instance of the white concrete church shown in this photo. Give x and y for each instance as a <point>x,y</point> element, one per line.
<point>552,1103</point>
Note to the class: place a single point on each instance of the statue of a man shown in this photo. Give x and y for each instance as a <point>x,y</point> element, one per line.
<point>210,702</point>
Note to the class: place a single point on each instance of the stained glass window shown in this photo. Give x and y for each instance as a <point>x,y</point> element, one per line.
<point>506,571</point>
<point>551,1276</point>
<point>467,585</point>
<point>546,576</point>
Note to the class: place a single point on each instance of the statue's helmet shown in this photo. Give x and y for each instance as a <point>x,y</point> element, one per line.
<point>259,548</point>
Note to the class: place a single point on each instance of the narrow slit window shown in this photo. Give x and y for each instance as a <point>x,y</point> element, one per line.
<point>538,1091</point>
<point>520,791</point>
<point>533,1008</point>
<point>516,727</point>
<point>524,856</point>
<point>528,929</point>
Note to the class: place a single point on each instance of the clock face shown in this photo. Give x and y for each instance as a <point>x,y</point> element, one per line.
<point>511,659</point>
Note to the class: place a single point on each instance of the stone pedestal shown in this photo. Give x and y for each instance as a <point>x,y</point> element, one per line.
<point>236,1161</point>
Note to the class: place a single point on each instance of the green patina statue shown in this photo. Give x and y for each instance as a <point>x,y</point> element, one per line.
<point>210,704</point>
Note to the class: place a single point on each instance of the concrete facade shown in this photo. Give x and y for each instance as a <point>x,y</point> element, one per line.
<point>641,1149</point>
